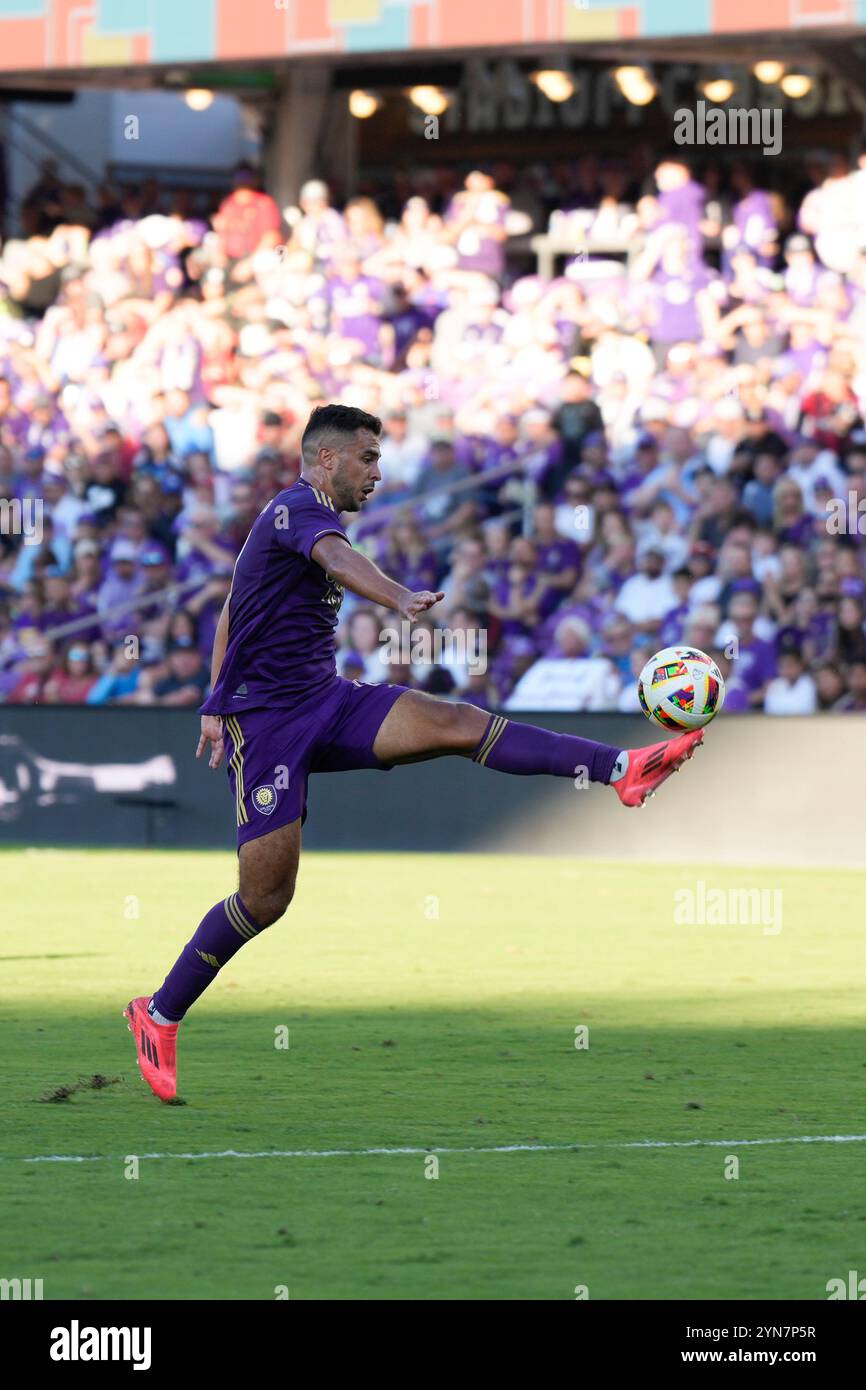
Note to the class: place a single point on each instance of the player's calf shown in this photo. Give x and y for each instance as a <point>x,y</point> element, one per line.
<point>524,750</point>
<point>220,935</point>
<point>268,869</point>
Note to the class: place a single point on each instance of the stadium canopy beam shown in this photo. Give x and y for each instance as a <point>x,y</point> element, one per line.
<point>307,133</point>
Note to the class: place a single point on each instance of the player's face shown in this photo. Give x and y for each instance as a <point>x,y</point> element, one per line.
<point>357,471</point>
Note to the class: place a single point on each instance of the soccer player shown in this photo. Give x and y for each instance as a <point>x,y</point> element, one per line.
<point>278,711</point>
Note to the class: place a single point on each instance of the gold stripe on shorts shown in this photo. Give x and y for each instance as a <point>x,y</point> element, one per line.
<point>236,762</point>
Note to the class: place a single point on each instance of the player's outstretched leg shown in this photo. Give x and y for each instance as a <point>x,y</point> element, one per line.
<point>419,727</point>
<point>268,869</point>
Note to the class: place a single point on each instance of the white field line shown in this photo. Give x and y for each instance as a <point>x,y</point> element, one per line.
<point>439,1149</point>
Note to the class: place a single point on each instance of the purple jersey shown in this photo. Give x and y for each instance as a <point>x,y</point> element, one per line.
<point>356,308</point>
<point>556,556</point>
<point>756,663</point>
<point>685,206</point>
<point>673,304</point>
<point>283,608</point>
<point>754,220</point>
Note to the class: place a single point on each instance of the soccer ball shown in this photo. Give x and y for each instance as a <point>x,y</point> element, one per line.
<point>681,688</point>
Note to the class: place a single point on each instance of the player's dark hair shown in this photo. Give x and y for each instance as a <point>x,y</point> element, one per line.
<point>335,419</point>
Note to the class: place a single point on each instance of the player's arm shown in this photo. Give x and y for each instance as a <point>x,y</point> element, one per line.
<point>212,724</point>
<point>354,571</point>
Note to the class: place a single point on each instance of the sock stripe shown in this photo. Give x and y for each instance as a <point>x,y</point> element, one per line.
<point>487,738</point>
<point>493,742</point>
<point>245,927</point>
<point>496,733</point>
<point>239,909</point>
<point>237,920</point>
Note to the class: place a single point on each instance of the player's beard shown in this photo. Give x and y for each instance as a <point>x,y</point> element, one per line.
<point>346,496</point>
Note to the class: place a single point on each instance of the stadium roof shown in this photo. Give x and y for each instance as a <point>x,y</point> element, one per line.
<point>127,43</point>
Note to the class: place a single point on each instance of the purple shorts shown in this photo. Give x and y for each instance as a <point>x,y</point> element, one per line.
<point>270,753</point>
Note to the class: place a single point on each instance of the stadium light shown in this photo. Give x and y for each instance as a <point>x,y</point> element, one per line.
<point>198,98</point>
<point>796,85</point>
<point>718,90</point>
<point>431,100</point>
<point>629,77</point>
<point>363,104</point>
<point>641,94</point>
<point>555,83</point>
<point>768,71</point>
<point>636,85</point>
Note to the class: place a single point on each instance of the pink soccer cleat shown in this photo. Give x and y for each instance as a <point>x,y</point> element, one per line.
<point>649,767</point>
<point>156,1044</point>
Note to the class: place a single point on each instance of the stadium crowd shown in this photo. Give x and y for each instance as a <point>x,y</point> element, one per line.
<point>634,454</point>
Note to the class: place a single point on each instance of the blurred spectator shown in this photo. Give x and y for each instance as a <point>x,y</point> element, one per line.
<point>647,596</point>
<point>576,416</point>
<point>72,682</point>
<point>570,679</point>
<point>793,690</point>
<point>475,223</point>
<point>187,678</point>
<point>246,219</point>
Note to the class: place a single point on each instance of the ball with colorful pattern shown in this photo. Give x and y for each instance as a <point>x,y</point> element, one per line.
<point>681,688</point>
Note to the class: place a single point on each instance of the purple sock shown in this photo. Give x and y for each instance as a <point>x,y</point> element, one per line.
<point>526,750</point>
<point>220,935</point>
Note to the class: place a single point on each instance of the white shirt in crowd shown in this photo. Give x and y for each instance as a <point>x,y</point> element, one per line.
<point>234,437</point>
<point>705,590</point>
<point>784,698</point>
<point>824,467</point>
<point>673,545</point>
<point>629,700</point>
<point>580,683</point>
<point>401,460</point>
<point>645,600</point>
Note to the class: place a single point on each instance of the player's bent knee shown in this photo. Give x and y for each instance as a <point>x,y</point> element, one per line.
<point>266,908</point>
<point>467,726</point>
<point>456,723</point>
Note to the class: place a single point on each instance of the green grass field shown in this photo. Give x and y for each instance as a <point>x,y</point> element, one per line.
<point>455,1031</point>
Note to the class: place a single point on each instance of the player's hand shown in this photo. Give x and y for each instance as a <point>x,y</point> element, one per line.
<point>211,733</point>
<point>414,604</point>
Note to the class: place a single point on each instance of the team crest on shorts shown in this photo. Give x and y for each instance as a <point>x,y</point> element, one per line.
<point>265,799</point>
